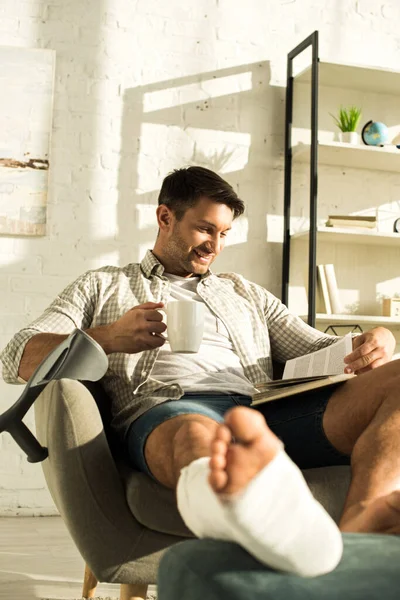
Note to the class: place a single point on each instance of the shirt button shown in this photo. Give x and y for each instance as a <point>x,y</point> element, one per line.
<point>144,373</point>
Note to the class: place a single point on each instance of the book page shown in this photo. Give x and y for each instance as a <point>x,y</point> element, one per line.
<point>328,361</point>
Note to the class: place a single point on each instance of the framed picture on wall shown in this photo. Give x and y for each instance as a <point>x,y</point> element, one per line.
<point>26,101</point>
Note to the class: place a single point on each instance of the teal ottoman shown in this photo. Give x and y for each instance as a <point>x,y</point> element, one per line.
<point>199,569</point>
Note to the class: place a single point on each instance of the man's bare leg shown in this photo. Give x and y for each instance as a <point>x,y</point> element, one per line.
<point>176,443</point>
<point>362,418</point>
<point>177,453</point>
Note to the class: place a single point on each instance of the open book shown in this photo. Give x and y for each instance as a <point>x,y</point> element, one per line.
<point>309,372</point>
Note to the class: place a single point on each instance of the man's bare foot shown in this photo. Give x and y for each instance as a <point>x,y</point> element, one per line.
<point>381,515</point>
<point>234,463</point>
<point>274,516</point>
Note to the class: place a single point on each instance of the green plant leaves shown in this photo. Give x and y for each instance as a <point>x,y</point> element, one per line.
<point>348,118</point>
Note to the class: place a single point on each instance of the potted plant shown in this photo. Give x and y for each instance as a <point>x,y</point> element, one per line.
<point>347,122</point>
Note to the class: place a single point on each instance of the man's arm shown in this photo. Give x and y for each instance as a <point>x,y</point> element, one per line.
<point>139,329</point>
<point>39,346</point>
<point>73,307</point>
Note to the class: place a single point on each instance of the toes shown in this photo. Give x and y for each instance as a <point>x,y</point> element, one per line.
<point>223,434</point>
<point>218,447</point>
<point>218,461</point>
<point>218,480</point>
<point>246,424</point>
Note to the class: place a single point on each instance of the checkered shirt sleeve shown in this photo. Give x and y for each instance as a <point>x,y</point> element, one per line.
<point>72,308</point>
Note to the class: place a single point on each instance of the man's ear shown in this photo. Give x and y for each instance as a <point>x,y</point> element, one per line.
<point>165,217</point>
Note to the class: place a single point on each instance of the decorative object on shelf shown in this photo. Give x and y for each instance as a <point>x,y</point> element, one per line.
<point>396,226</point>
<point>352,221</point>
<point>375,133</point>
<point>347,122</point>
<point>391,307</point>
<point>333,290</point>
<point>323,299</point>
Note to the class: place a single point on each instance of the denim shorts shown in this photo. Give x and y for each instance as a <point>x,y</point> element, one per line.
<point>296,420</point>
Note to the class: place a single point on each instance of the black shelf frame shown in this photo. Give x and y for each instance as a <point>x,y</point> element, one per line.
<point>312,41</point>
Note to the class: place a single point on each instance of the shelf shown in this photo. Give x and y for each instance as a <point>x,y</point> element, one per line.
<point>355,77</point>
<point>353,319</point>
<point>351,156</point>
<point>358,252</point>
<point>339,235</point>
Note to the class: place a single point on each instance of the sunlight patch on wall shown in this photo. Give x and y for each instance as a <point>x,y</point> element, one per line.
<point>239,232</point>
<point>146,216</point>
<point>105,258</point>
<point>194,92</point>
<point>274,228</point>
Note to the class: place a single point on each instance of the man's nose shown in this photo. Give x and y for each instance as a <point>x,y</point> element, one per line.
<point>217,243</point>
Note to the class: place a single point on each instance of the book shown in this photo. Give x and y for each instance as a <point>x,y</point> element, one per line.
<point>298,387</point>
<point>333,289</point>
<point>358,221</point>
<point>322,290</point>
<point>319,369</point>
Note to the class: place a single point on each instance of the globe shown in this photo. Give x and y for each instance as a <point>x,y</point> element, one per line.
<point>375,133</point>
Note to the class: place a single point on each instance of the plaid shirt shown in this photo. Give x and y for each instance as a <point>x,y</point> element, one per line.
<point>259,325</point>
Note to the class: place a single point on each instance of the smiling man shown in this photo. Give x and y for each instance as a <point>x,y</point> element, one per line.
<point>184,419</point>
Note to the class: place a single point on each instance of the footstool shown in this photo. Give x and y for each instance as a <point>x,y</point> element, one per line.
<point>198,569</point>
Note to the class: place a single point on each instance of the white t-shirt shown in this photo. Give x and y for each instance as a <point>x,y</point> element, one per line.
<point>216,367</point>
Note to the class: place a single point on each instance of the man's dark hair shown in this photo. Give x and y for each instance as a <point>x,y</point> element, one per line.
<point>182,189</point>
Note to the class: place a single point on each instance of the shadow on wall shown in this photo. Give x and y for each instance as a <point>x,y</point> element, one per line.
<point>231,121</point>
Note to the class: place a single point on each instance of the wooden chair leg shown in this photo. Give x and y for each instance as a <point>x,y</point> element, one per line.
<point>131,591</point>
<point>89,584</point>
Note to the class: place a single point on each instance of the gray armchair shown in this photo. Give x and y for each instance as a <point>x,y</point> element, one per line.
<point>120,520</point>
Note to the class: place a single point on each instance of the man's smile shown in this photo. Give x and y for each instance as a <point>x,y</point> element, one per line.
<point>204,257</point>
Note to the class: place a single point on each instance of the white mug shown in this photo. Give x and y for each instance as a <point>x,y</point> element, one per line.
<point>185,325</point>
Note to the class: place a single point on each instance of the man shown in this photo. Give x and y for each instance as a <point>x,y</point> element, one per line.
<point>168,407</point>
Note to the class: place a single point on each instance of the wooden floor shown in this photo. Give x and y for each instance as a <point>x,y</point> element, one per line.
<point>39,560</point>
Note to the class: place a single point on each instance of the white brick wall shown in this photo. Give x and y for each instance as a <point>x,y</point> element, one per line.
<point>144,86</point>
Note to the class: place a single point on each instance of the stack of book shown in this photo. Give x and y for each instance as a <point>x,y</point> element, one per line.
<point>352,221</point>
<point>327,298</point>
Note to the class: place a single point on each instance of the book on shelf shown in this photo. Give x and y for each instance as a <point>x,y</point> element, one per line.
<point>333,290</point>
<point>355,221</point>
<point>323,302</point>
<point>319,369</point>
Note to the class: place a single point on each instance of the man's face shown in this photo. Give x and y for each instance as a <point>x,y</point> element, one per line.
<point>190,245</point>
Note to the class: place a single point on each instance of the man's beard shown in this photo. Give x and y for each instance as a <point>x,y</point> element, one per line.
<point>184,259</point>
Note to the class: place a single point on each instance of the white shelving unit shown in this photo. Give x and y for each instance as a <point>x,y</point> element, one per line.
<point>354,77</point>
<point>363,258</point>
<point>372,320</point>
<point>353,156</point>
<point>341,235</point>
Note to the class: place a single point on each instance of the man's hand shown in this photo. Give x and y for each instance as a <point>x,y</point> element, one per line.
<point>139,329</point>
<point>370,350</point>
